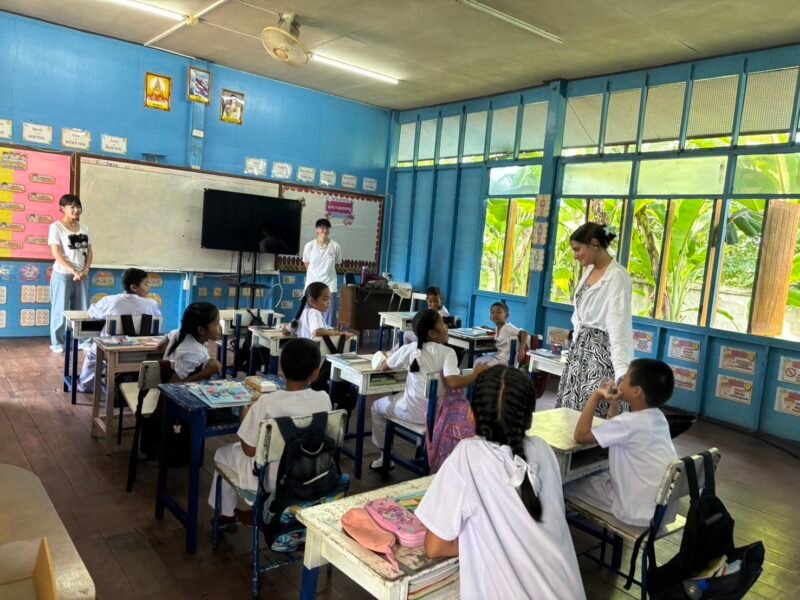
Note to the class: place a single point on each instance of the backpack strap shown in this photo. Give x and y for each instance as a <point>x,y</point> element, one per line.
<point>634,555</point>
<point>146,325</point>
<point>127,325</point>
<point>709,489</point>
<point>691,477</point>
<point>334,349</point>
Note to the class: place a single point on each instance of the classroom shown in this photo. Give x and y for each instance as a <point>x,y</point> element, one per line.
<point>427,299</point>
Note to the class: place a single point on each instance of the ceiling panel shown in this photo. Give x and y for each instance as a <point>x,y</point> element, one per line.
<point>444,51</point>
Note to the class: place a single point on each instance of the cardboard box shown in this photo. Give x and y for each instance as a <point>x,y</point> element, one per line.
<point>26,571</point>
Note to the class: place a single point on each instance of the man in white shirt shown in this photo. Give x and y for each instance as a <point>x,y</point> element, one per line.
<point>320,257</point>
<point>639,444</point>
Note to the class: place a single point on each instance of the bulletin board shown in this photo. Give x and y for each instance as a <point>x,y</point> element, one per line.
<point>356,224</point>
<point>31,184</point>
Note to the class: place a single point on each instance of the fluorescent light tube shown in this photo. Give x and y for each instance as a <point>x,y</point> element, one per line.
<point>353,69</point>
<point>511,20</point>
<point>149,8</point>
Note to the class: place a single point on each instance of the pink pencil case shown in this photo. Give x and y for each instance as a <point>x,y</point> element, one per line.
<point>398,520</point>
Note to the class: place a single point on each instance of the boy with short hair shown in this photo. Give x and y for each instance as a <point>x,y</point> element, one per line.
<point>433,296</point>
<point>639,443</point>
<point>300,361</point>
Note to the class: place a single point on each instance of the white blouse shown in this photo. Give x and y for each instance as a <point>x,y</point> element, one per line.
<point>606,306</point>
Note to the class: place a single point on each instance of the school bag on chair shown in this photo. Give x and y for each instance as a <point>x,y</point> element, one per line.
<point>344,396</point>
<point>243,354</point>
<point>707,536</point>
<point>451,426</point>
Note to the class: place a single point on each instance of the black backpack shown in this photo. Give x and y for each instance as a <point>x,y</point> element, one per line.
<point>308,470</point>
<point>344,395</point>
<point>707,535</point>
<point>242,354</point>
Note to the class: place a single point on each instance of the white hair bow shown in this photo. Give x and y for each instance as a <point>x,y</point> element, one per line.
<point>521,469</point>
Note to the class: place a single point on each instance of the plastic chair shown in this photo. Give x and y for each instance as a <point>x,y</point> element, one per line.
<point>269,450</point>
<point>599,523</point>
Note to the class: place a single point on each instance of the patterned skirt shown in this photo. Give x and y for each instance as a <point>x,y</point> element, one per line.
<point>588,367</point>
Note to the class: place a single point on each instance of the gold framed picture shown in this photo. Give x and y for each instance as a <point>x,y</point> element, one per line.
<point>232,108</point>
<point>157,91</point>
<point>199,85</point>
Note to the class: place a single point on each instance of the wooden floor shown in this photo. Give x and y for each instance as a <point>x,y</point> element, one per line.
<point>131,555</point>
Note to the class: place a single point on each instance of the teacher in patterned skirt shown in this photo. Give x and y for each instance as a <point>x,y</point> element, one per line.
<point>602,344</point>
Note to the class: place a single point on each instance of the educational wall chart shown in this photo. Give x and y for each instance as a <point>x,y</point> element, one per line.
<point>356,224</point>
<point>685,378</point>
<point>684,349</point>
<point>787,401</point>
<point>736,359</point>
<point>789,371</point>
<point>31,184</point>
<point>735,389</point>
<point>643,341</point>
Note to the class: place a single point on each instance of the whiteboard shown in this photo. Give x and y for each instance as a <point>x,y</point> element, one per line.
<point>356,222</point>
<point>151,216</point>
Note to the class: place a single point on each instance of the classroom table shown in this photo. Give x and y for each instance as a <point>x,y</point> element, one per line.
<point>231,323</point>
<point>327,543</point>
<point>180,403</point>
<point>119,359</point>
<point>548,363</point>
<point>78,326</point>
<point>473,340</point>
<point>359,372</point>
<point>273,340</point>
<point>398,321</point>
<point>556,427</point>
<point>26,512</point>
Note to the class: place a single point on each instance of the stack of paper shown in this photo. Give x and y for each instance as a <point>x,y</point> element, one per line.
<point>439,584</point>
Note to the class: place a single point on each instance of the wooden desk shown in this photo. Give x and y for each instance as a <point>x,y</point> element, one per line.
<point>396,320</point>
<point>368,381</point>
<point>538,362</point>
<point>273,340</point>
<point>78,326</point>
<point>556,427</point>
<point>26,512</point>
<point>118,359</point>
<point>474,340</point>
<point>327,543</point>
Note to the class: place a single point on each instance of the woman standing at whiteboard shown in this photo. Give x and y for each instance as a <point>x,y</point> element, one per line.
<point>602,324</point>
<point>320,256</point>
<point>69,284</point>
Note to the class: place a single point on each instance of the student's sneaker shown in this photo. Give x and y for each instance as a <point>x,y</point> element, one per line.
<point>57,348</point>
<point>377,464</point>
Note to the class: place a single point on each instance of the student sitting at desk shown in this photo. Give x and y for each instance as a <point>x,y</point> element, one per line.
<point>133,301</point>
<point>639,443</point>
<point>497,504</point>
<point>186,347</point>
<point>427,356</point>
<point>300,364</point>
<point>503,334</point>
<point>433,296</point>
<point>309,322</point>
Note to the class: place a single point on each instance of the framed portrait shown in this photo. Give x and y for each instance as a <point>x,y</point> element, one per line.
<point>157,91</point>
<point>232,109</point>
<point>199,85</point>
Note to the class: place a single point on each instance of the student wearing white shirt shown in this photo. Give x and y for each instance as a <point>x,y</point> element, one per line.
<point>300,365</point>
<point>639,444</point>
<point>427,356</point>
<point>320,257</point>
<point>497,502</point>
<point>603,329</point>
<point>433,296</point>
<point>186,348</point>
<point>69,282</point>
<point>309,322</point>
<point>133,301</point>
<point>503,334</point>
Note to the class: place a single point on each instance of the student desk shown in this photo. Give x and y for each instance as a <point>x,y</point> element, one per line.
<point>327,543</point>
<point>359,372</point>
<point>119,359</point>
<point>180,403</point>
<point>549,364</point>
<point>397,321</point>
<point>273,340</point>
<point>78,326</point>
<point>474,340</point>
<point>26,512</point>
<point>556,427</point>
<point>231,322</point>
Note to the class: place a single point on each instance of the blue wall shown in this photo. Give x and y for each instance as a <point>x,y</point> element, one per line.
<point>65,78</point>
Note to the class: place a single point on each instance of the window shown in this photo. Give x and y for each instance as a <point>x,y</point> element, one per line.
<point>504,133</point>
<point>427,143</point>
<point>647,239</point>
<point>662,117</point>
<point>448,141</point>
<point>697,175</point>
<point>405,150</point>
<point>612,178</point>
<point>582,125</point>
<point>622,121</point>
<point>515,180</point>
<point>767,112</point>
<point>534,126</point>
<point>767,174</point>
<point>507,236</point>
<point>711,112</point>
<point>474,137</point>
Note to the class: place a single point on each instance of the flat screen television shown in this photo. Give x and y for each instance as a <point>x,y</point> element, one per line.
<point>250,223</point>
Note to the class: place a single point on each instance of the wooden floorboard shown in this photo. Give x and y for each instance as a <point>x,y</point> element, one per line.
<point>131,555</point>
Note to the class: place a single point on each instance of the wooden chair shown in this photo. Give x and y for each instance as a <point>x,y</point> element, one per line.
<point>269,449</point>
<point>599,523</point>
<point>141,398</point>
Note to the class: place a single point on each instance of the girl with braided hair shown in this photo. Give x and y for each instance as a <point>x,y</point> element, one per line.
<point>186,346</point>
<point>497,502</point>
<point>424,357</point>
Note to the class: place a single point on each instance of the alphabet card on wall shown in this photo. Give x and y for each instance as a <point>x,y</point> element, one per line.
<point>542,206</point>
<point>540,233</point>
<point>537,260</point>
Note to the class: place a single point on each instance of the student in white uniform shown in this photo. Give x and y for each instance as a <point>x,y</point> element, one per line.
<point>503,334</point>
<point>639,444</point>
<point>309,322</point>
<point>497,503</point>
<point>433,296</point>
<point>320,257</point>
<point>427,356</point>
<point>300,364</point>
<point>133,301</point>
<point>186,347</point>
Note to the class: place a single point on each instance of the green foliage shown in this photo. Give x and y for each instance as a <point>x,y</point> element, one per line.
<point>566,270</point>
<point>494,243</point>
